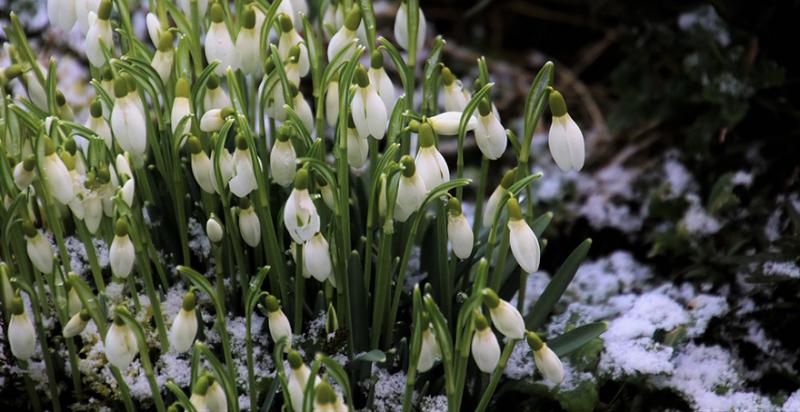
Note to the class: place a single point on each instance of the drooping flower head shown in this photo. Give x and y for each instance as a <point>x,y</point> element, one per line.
<point>565,138</point>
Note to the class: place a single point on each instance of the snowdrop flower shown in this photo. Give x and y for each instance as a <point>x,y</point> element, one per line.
<point>21,336</point>
<point>524,244</point>
<point>24,173</point>
<point>225,166</point>
<point>301,107</point>
<point>369,111</point>
<point>76,324</point>
<point>215,397</point>
<point>381,81</point>
<point>565,138</point>
<point>123,170</point>
<point>219,45</point>
<point>61,13</point>
<point>546,360</point>
<point>431,166</point>
<point>332,101</point>
<point>186,7</point>
<point>63,109</point>
<point>201,164</point>
<point>292,65</point>
<point>35,89</point>
<point>164,56</point>
<point>278,322</point>
<point>244,178</point>
<point>300,215</point>
<point>506,318</point>
<point>326,399</point>
<point>128,122</point>
<point>282,157</point>
<point>290,38</point>
<point>133,94</point>
<point>74,303</point>
<point>357,146</point>
<point>317,258</point>
<point>333,17</point>
<point>459,231</point>
<point>496,197</point>
<point>446,123</point>
<point>213,119</point>
<point>82,10</point>
<point>410,190</point>
<point>198,398</point>
<point>300,8</point>
<point>121,254</point>
<point>489,133</point>
<point>120,344</point>
<point>215,97</point>
<point>247,43</point>
<point>298,378</point>
<point>326,192</point>
<point>214,229</point>
<point>249,225</point>
<point>57,178</point>
<point>153,27</point>
<point>430,352</point>
<point>346,33</point>
<point>182,107</point>
<point>485,348</point>
<point>401,27</point>
<point>98,124</point>
<point>100,34</point>
<point>455,97</point>
<point>184,327</point>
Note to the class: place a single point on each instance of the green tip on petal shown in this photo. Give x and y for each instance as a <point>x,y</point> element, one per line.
<point>508,178</point>
<point>29,163</point>
<point>70,146</point>
<point>534,341</point>
<point>484,107</point>
<point>107,74</point>
<point>480,321</point>
<point>226,111</point>
<point>325,394</point>
<point>448,77</point>
<point>294,53</point>
<point>29,229</point>
<point>454,206</point>
<point>285,22</point>
<point>16,306</point>
<point>104,10</point>
<point>272,303</point>
<point>353,18</point>
<point>60,99</point>
<point>557,104</point>
<point>376,60</point>
<point>85,315</point>
<point>120,88</point>
<point>249,18</point>
<point>295,360</point>
<point>96,109</point>
<point>216,13</point>
<point>241,142</point>
<point>301,180</point>
<point>409,167</point>
<point>201,386</point>
<point>103,174</point>
<point>285,132</point>
<point>244,203</point>
<point>361,77</point>
<point>212,82</point>
<point>121,227</point>
<point>189,301</point>
<point>165,41</point>
<point>425,132</point>
<point>49,147</point>
<point>182,87</point>
<point>118,319</point>
<point>132,85</point>
<point>514,210</point>
<point>490,298</point>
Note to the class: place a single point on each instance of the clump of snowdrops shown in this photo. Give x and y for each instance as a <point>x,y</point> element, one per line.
<point>309,146</point>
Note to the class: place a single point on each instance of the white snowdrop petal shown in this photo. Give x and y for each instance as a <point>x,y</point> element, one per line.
<point>460,234</point>
<point>524,245</point>
<point>376,114</point>
<point>549,364</point>
<point>120,346</point>
<point>183,330</point>
<point>21,336</point>
<point>122,256</point>
<point>357,149</point>
<point>250,227</point>
<point>282,162</point>
<point>508,320</point>
<point>279,326</point>
<point>485,350</point>
<point>59,181</point>
<point>358,111</point>
<point>317,258</point>
<point>41,253</point>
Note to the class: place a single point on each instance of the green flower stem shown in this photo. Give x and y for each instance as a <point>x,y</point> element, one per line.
<point>252,300</point>
<point>414,349</point>
<point>480,196</point>
<point>445,276</point>
<point>219,274</point>
<point>496,375</point>
<point>299,291</point>
<point>144,356</point>
<point>29,386</point>
<point>383,277</point>
<point>502,253</point>
<point>91,254</point>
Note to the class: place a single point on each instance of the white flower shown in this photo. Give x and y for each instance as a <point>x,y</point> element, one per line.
<point>61,13</point>
<point>459,231</point>
<point>489,133</point>
<point>164,56</point>
<point>92,211</point>
<point>35,89</point>
<point>127,191</point>
<point>184,327</point>
<point>214,119</point>
<point>496,197</point>
<point>201,164</point>
<point>368,110</point>
<point>524,244</point>
<point>298,378</point>
<point>181,107</point>
<point>74,303</point>
<point>214,229</point>
<point>282,158</point>
<point>546,360</point>
<point>199,391</point>
<point>39,250</point>
<point>225,165</point>
<point>215,398</point>
<point>21,336</point>
<point>59,181</point>
<point>290,38</point>
<point>455,97</point>
<point>410,190</point>
<point>326,399</point>
<point>185,5</point>
<point>76,324</point>
<point>303,109</point>
<point>82,9</point>
<point>98,124</point>
<point>279,326</point>
<point>429,351</point>
<point>506,318</point>
<point>565,138</point>
<point>120,344</point>
<point>333,17</point>
<point>219,45</point>
<point>100,31</point>
<point>215,97</point>
<point>401,27</point>
<point>244,179</point>
<point>121,254</point>
<point>485,348</point>
<point>128,122</point>
<point>332,102</point>
<point>446,123</point>
<point>357,148</point>
<point>24,172</point>
<point>153,27</point>
<point>317,258</point>
<point>300,214</point>
<point>247,43</point>
<point>381,81</point>
<point>346,34</point>
<point>431,166</point>
<point>249,225</point>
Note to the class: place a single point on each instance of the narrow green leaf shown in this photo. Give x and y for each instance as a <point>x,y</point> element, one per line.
<point>575,338</point>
